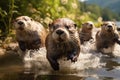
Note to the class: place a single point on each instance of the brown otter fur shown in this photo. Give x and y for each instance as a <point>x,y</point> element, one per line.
<point>30,34</point>
<point>107,37</point>
<point>85,33</point>
<point>62,41</point>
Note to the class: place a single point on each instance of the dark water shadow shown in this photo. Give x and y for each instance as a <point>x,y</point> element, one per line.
<point>31,76</point>
<point>9,59</point>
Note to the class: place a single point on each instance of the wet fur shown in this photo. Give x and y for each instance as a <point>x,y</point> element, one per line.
<point>106,38</point>
<point>31,34</point>
<point>85,33</point>
<point>68,47</point>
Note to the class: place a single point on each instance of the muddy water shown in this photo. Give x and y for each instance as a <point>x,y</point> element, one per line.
<point>34,66</point>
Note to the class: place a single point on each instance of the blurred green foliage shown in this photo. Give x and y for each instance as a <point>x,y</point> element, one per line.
<point>6,13</point>
<point>45,11</point>
<point>96,12</point>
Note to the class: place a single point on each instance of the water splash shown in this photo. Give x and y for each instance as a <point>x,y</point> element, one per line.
<point>36,60</point>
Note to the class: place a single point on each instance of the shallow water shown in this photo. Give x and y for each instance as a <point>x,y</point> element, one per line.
<point>91,65</point>
<point>34,66</point>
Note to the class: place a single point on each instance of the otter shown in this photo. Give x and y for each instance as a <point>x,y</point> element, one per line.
<point>107,37</point>
<point>85,33</point>
<point>62,41</point>
<point>30,34</point>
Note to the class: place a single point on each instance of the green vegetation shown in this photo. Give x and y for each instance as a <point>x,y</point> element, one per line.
<point>110,8</point>
<point>6,15</point>
<point>45,11</point>
<point>96,12</point>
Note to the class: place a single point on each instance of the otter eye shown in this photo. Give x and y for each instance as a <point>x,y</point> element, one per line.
<point>114,24</point>
<point>31,19</point>
<point>55,26</point>
<point>104,24</point>
<point>25,19</point>
<point>67,27</point>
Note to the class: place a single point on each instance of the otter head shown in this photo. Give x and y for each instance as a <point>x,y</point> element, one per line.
<point>62,29</point>
<point>88,26</point>
<point>22,23</point>
<point>108,26</point>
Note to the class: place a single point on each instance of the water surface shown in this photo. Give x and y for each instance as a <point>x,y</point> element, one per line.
<point>91,65</point>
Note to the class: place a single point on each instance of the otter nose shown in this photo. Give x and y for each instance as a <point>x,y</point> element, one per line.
<point>59,32</point>
<point>20,22</point>
<point>109,26</point>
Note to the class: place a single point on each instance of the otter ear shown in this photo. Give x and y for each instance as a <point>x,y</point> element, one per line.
<point>75,25</point>
<point>84,24</point>
<point>113,23</point>
<point>51,26</point>
<point>31,19</point>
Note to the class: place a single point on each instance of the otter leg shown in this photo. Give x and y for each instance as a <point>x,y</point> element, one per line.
<point>53,62</point>
<point>105,44</point>
<point>91,40</point>
<point>76,53</point>
<point>73,55</point>
<point>22,45</point>
<point>82,40</point>
<point>117,40</point>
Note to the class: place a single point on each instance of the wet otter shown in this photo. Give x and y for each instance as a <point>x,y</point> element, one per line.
<point>62,41</point>
<point>107,37</point>
<point>85,33</point>
<point>30,34</point>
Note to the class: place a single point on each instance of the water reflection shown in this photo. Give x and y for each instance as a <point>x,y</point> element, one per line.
<point>31,76</point>
<point>59,77</point>
<point>21,76</point>
<point>34,66</point>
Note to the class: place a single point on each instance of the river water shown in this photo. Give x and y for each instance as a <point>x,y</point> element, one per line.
<point>91,65</point>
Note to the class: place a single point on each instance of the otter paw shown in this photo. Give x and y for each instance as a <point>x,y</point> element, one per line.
<point>22,45</point>
<point>72,57</point>
<point>55,67</point>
